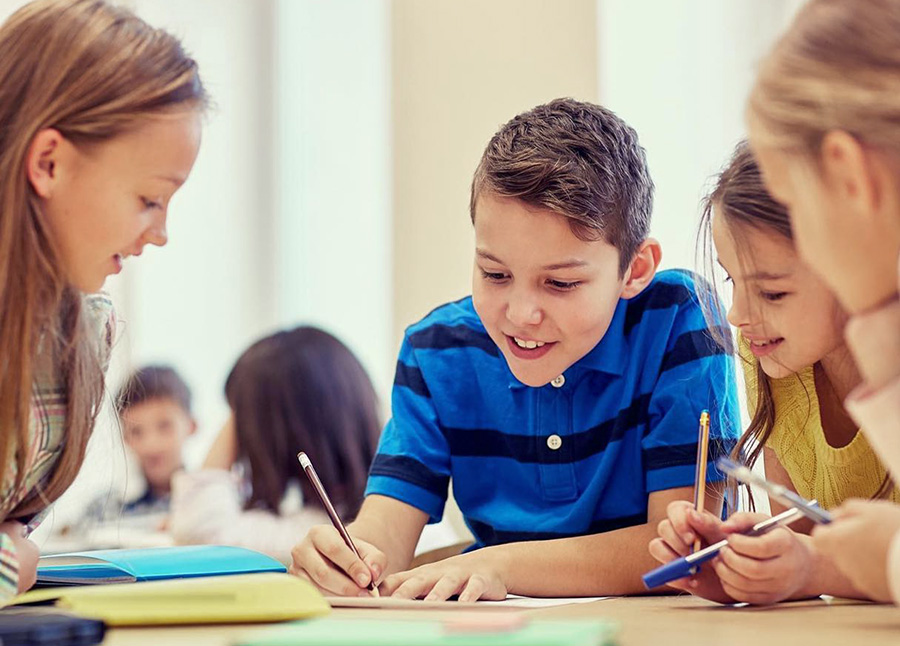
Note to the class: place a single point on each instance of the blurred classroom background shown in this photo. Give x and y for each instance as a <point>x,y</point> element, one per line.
<point>332,185</point>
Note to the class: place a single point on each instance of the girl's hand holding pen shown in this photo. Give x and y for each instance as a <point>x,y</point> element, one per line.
<point>327,562</point>
<point>677,534</point>
<point>763,569</point>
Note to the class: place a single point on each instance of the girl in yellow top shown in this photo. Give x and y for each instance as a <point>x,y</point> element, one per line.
<point>99,125</point>
<point>798,371</point>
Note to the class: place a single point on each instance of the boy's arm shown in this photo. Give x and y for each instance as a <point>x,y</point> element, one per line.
<point>600,564</point>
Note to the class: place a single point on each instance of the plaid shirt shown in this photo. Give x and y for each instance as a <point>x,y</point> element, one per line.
<point>45,430</point>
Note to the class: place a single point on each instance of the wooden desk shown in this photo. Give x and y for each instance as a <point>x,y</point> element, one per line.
<point>645,621</point>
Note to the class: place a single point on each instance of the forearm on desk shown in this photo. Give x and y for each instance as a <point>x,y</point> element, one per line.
<point>598,565</point>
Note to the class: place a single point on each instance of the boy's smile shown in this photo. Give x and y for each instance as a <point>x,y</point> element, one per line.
<point>545,296</point>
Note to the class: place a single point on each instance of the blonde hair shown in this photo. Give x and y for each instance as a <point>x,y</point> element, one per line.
<point>91,71</point>
<point>836,68</point>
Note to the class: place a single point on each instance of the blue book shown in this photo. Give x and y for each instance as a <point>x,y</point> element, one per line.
<point>151,564</point>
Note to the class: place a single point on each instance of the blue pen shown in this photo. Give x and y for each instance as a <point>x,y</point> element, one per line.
<point>686,565</point>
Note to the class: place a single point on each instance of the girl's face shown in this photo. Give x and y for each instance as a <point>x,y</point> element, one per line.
<point>106,202</point>
<point>779,305</point>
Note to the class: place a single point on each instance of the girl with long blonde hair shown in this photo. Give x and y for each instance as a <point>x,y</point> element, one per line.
<point>99,126</point>
<point>824,123</point>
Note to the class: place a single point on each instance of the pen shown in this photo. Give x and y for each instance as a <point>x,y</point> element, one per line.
<point>332,513</point>
<point>686,565</point>
<point>782,494</point>
<point>700,474</point>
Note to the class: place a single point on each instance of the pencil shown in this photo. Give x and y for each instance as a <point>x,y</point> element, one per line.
<point>329,508</point>
<point>700,479</point>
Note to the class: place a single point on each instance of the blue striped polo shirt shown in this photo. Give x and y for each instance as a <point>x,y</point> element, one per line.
<point>577,456</point>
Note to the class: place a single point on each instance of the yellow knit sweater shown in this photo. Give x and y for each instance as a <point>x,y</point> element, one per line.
<point>818,470</point>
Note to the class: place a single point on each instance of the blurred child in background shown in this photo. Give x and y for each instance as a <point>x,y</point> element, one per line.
<point>296,390</point>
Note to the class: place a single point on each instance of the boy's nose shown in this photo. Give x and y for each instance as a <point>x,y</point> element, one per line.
<point>156,234</point>
<point>737,313</point>
<point>523,311</point>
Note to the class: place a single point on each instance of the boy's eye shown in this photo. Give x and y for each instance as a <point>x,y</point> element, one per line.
<point>493,276</point>
<point>773,296</point>
<point>562,285</point>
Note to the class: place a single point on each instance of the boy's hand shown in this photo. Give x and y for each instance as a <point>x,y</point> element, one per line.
<point>27,552</point>
<point>325,560</point>
<point>858,542</point>
<point>762,569</point>
<point>471,576</point>
<point>676,539</point>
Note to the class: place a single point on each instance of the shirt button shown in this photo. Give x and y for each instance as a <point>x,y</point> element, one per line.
<point>554,442</point>
<point>559,382</point>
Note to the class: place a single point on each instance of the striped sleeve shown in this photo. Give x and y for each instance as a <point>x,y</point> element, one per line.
<point>412,464</point>
<point>9,569</point>
<point>696,374</point>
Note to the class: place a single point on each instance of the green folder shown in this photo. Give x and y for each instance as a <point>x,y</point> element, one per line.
<point>334,631</point>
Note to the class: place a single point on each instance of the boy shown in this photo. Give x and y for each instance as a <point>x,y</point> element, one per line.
<point>154,407</point>
<point>562,397</point>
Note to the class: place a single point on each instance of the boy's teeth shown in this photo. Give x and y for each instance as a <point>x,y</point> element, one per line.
<point>528,345</point>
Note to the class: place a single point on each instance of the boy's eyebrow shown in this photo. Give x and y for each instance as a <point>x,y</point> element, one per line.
<point>484,254</point>
<point>567,264</point>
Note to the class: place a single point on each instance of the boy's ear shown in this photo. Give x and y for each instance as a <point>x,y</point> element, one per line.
<point>42,160</point>
<point>642,268</point>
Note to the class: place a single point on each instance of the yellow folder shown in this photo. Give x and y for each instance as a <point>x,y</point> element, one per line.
<point>220,599</point>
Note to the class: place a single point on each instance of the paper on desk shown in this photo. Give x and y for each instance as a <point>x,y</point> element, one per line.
<point>511,602</point>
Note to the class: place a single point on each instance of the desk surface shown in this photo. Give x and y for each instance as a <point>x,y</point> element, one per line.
<point>671,621</point>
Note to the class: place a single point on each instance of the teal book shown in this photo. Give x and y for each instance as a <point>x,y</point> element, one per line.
<point>151,564</point>
<point>333,631</point>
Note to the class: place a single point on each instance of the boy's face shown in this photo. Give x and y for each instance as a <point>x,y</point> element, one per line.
<point>545,297</point>
<point>155,430</point>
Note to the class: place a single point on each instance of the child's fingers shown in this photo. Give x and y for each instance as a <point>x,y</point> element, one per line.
<point>741,522</point>
<point>375,560</point>
<point>476,588</point>
<point>414,587</point>
<point>706,525</point>
<point>680,543</point>
<point>768,546</point>
<point>328,578</point>
<point>676,513</point>
<point>328,543</point>
<point>662,551</point>
<point>446,587</point>
<point>742,572</point>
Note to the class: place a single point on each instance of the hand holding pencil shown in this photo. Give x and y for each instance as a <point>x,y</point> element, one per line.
<point>330,558</point>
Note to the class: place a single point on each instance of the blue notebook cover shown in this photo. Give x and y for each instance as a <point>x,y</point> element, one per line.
<point>151,564</point>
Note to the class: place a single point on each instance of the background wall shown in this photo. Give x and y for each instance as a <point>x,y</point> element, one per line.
<point>332,184</point>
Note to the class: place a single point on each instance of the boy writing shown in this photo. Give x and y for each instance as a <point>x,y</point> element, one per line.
<point>562,397</point>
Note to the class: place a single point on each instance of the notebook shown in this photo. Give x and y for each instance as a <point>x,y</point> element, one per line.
<point>266,596</point>
<point>150,564</point>
<point>352,632</point>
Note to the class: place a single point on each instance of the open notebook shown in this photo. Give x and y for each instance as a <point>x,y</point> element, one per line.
<point>150,564</point>
<point>221,599</point>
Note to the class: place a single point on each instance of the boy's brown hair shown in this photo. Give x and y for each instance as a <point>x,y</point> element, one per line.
<point>153,382</point>
<point>576,159</point>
